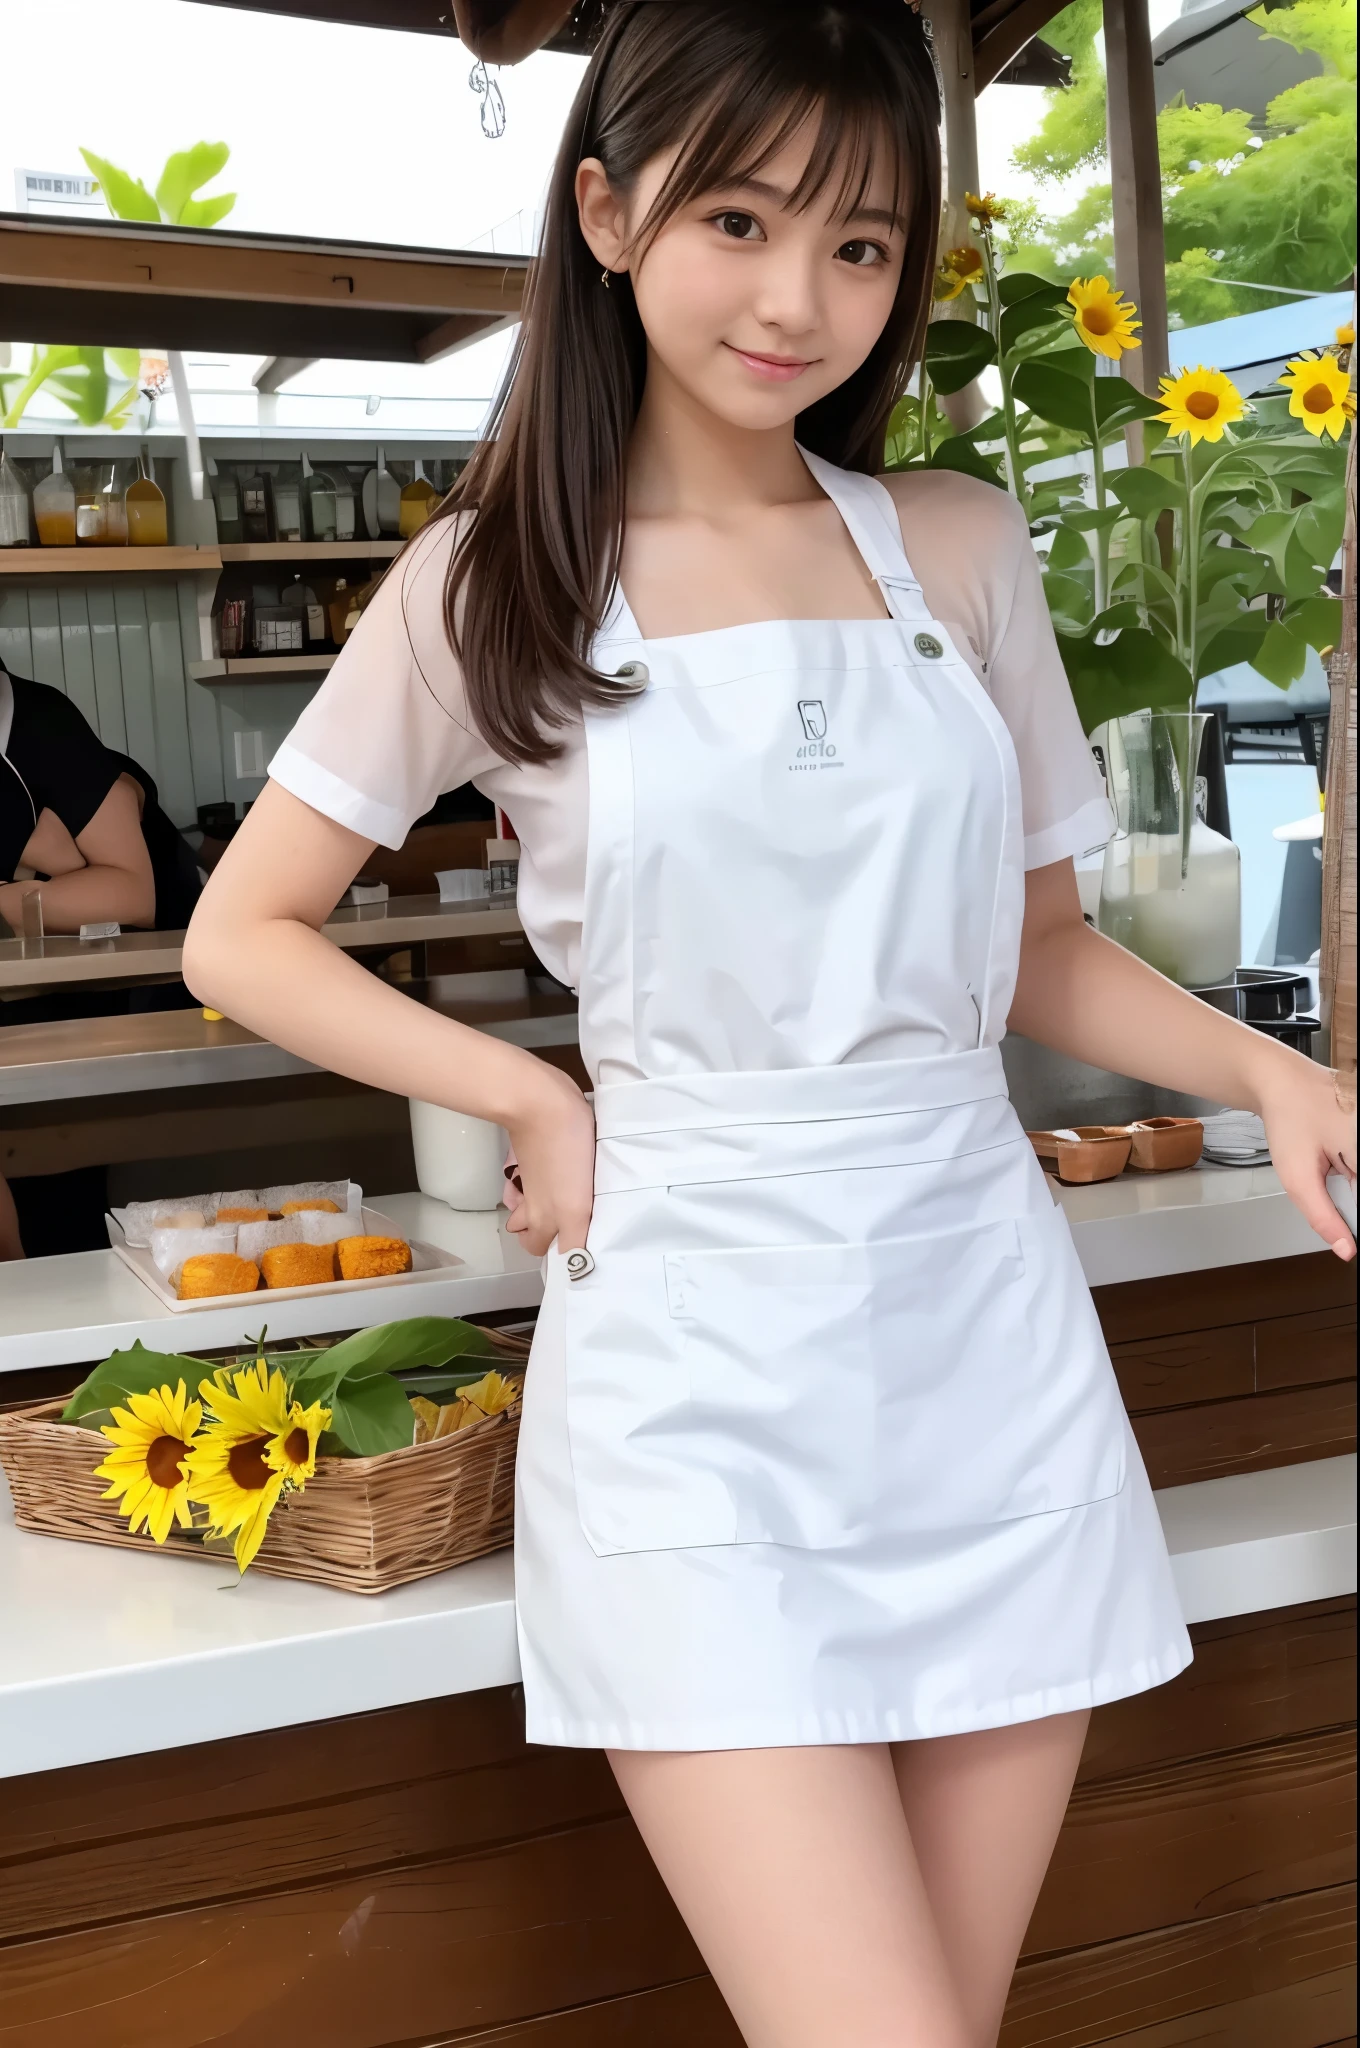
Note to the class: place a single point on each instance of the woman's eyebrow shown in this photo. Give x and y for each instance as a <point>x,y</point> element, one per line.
<point>878,216</point>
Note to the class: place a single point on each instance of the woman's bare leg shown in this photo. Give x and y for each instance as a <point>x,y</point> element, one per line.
<point>795,1873</point>
<point>984,1812</point>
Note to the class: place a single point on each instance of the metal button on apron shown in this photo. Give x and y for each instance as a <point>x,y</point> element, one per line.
<point>635,672</point>
<point>927,644</point>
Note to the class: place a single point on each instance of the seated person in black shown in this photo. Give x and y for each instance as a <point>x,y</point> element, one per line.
<point>82,821</point>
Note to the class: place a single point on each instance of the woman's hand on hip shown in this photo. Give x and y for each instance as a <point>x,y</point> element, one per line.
<point>552,1135</point>
<point>1309,1117</point>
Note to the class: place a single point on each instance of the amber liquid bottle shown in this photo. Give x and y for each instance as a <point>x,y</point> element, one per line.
<point>147,526</point>
<point>54,506</point>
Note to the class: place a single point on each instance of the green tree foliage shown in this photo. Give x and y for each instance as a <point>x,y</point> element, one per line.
<point>173,199</point>
<point>1276,207</point>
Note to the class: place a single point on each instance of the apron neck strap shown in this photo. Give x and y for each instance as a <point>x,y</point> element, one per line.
<point>871,520</point>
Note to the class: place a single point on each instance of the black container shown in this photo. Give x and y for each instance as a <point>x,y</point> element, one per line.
<point>1257,995</point>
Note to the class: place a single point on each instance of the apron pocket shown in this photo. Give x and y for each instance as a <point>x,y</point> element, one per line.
<point>822,1396</point>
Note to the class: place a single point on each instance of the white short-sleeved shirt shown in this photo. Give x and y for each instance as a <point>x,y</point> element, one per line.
<point>390,728</point>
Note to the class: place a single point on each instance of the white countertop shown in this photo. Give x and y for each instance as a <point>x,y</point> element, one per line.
<point>106,1653</point>
<point>75,1309</point>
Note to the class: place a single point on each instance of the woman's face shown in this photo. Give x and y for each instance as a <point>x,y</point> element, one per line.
<point>754,310</point>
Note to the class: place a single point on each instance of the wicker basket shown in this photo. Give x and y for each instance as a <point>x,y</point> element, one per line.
<point>360,1524</point>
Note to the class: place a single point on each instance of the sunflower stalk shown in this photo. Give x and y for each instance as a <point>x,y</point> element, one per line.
<point>1015,469</point>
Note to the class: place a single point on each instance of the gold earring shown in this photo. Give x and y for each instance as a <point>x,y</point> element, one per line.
<point>604,278</point>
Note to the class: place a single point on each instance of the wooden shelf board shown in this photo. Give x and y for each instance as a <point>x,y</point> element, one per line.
<point>100,561</point>
<point>309,550</point>
<point>260,668</point>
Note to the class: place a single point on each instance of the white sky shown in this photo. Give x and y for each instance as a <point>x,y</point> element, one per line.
<point>349,132</point>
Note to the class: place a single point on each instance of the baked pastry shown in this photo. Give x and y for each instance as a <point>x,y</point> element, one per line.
<point>298,1265</point>
<point>217,1273</point>
<point>243,1215</point>
<point>369,1258</point>
<point>322,1202</point>
<point>181,1219</point>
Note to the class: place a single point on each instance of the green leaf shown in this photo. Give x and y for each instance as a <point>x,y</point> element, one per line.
<point>956,352</point>
<point>371,1415</point>
<point>137,1371</point>
<point>1135,672</point>
<point>1069,551</point>
<point>389,1348</point>
<point>1118,402</point>
<point>1023,284</point>
<point>184,172</point>
<point>126,361</point>
<point>1055,395</point>
<point>125,196</point>
<point>1027,315</point>
<point>1146,492</point>
<point>1236,642</point>
<point>1318,619</point>
<point>958,454</point>
<point>1281,656</point>
<point>206,213</point>
<point>1093,519</point>
<point>446,1382</point>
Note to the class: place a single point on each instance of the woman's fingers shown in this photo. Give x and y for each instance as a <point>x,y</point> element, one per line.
<point>1307,1189</point>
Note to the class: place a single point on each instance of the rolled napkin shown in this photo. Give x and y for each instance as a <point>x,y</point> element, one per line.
<point>1236,1137</point>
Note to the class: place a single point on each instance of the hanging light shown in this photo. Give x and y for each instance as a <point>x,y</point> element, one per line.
<point>493,105</point>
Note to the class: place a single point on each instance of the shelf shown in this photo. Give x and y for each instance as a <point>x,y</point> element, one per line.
<point>261,668</point>
<point>101,561</point>
<point>310,550</point>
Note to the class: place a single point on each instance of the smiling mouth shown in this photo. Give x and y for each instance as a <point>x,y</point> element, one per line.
<point>774,369</point>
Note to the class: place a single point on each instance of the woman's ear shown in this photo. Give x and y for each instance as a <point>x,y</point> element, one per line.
<point>601,214</point>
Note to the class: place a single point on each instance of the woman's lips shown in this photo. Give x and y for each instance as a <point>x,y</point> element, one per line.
<point>774,369</point>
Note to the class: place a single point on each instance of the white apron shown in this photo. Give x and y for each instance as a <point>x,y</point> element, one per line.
<point>827,1447</point>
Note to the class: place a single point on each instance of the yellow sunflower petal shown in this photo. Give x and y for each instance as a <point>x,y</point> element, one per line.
<point>1104,319</point>
<point>1319,394</point>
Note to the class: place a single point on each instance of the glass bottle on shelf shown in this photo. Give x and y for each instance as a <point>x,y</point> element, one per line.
<point>287,502</point>
<point>54,506</point>
<point>14,527</point>
<point>257,506</point>
<point>226,493</point>
<point>318,498</point>
<point>101,510</point>
<point>418,500</point>
<point>345,508</point>
<point>147,525</point>
<point>301,597</point>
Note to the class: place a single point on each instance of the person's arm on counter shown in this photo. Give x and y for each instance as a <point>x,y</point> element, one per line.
<point>101,874</point>
<point>1087,997</point>
<point>254,951</point>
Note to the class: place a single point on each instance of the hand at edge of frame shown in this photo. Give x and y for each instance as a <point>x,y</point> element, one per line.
<point>1309,1115</point>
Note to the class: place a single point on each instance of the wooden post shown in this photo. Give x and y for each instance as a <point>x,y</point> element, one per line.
<point>1135,175</point>
<point>951,30</point>
<point>1338,843</point>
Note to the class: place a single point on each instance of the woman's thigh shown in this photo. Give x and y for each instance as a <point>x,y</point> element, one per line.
<point>983,1813</point>
<point>795,1873</point>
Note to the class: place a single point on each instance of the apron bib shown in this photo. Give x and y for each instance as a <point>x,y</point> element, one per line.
<point>832,1298</point>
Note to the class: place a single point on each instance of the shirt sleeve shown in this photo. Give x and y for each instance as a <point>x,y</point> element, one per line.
<point>66,765</point>
<point>1066,810</point>
<point>388,731</point>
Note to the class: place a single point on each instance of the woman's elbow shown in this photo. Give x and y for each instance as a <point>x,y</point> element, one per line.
<point>207,957</point>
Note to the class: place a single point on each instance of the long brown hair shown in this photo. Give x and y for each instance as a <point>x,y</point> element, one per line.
<point>728,83</point>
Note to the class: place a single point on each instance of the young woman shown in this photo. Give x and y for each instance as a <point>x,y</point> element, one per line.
<point>830,1529</point>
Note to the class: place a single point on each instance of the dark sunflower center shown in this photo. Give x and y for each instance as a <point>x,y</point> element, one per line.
<point>1202,405</point>
<point>1098,320</point>
<point>1317,398</point>
<point>296,1447</point>
<point>245,1463</point>
<point>163,1461</point>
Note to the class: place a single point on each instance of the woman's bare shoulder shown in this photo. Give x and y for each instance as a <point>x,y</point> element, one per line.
<point>958,508</point>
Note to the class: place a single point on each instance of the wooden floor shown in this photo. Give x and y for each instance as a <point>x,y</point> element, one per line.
<point>421,1877</point>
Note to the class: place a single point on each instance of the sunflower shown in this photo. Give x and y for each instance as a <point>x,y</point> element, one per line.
<point>229,1474</point>
<point>1103,317</point>
<point>1200,403</point>
<point>1345,334</point>
<point>987,210</point>
<point>152,1437</point>
<point>293,1450</point>
<point>1319,394</point>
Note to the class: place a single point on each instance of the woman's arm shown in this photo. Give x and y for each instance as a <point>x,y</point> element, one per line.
<point>115,881</point>
<point>254,950</point>
<point>1086,996</point>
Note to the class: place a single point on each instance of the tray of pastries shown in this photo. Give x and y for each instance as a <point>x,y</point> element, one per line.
<point>316,1237</point>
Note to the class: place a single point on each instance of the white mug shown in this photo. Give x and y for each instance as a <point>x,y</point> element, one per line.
<point>460,1159</point>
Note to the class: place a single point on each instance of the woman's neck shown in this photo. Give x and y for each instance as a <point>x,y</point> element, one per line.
<point>683,461</point>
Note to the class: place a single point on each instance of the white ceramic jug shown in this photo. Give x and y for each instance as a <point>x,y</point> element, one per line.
<point>459,1159</point>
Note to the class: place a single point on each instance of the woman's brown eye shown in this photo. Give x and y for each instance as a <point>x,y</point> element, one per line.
<point>861,253</point>
<point>743,227</point>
